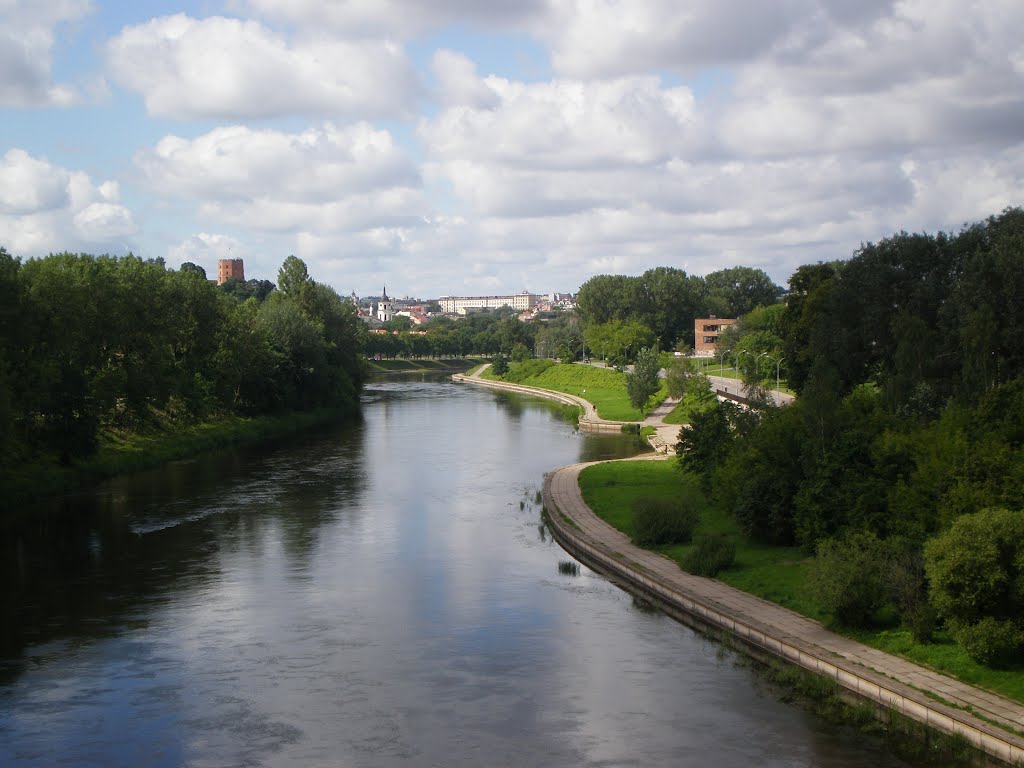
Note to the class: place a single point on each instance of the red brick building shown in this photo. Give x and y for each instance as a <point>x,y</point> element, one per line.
<point>705,334</point>
<point>228,269</point>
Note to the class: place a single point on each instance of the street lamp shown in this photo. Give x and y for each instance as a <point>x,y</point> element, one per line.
<point>757,365</point>
<point>777,364</point>
<point>721,360</point>
<point>738,354</point>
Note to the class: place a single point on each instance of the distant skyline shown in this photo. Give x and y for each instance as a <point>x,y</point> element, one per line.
<point>453,148</point>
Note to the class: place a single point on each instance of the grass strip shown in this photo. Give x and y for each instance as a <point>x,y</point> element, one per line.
<point>605,388</point>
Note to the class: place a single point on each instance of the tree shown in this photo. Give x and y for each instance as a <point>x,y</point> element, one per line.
<point>848,577</point>
<point>976,572</point>
<point>500,365</point>
<point>604,298</point>
<point>738,290</point>
<point>188,266</point>
<point>704,442</point>
<point>644,381</point>
<point>293,277</point>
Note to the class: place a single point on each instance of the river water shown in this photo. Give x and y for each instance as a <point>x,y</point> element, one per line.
<point>376,594</point>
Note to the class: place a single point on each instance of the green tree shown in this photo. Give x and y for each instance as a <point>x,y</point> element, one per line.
<point>848,577</point>
<point>976,572</point>
<point>704,442</point>
<point>644,381</point>
<point>739,290</point>
<point>293,277</point>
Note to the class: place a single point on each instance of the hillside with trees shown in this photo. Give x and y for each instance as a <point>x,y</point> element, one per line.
<point>901,464</point>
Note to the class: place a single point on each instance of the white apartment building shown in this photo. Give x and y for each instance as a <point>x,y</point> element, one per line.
<point>520,301</point>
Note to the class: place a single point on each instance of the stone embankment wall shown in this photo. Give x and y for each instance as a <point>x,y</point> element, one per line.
<point>880,690</point>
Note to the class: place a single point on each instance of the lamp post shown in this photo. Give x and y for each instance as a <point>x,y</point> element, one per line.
<point>777,364</point>
<point>738,354</point>
<point>757,364</point>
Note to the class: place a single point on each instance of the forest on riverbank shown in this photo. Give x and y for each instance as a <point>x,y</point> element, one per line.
<point>100,349</point>
<point>899,470</point>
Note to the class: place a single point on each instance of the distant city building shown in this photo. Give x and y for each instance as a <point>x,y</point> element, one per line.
<point>385,307</point>
<point>461,304</point>
<point>705,334</point>
<point>228,269</point>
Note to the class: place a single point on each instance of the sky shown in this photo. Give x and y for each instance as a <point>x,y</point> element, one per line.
<point>459,147</point>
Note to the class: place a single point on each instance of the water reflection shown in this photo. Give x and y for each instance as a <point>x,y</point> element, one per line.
<point>371,595</point>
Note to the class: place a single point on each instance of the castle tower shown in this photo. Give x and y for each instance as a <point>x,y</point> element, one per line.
<point>228,269</point>
<point>385,308</point>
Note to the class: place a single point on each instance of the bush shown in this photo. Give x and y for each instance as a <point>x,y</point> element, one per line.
<point>847,577</point>
<point>713,552</point>
<point>663,521</point>
<point>976,568</point>
<point>991,642</point>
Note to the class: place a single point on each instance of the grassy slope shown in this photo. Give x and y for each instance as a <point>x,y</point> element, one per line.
<point>690,403</point>
<point>603,387</point>
<point>419,364</point>
<point>778,574</point>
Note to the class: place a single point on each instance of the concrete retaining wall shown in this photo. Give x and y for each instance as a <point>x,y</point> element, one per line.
<point>880,690</point>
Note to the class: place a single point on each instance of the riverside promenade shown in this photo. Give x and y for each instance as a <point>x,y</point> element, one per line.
<point>663,439</point>
<point>916,692</point>
<point>983,718</point>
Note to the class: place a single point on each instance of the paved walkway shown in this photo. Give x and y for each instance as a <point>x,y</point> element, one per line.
<point>786,625</point>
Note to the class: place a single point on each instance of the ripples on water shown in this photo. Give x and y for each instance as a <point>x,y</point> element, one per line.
<point>370,595</point>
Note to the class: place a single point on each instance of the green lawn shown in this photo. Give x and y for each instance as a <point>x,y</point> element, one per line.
<point>778,574</point>
<point>603,387</point>
<point>419,364</point>
<point>691,402</point>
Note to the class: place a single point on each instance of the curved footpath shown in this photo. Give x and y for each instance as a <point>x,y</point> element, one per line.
<point>663,439</point>
<point>916,692</point>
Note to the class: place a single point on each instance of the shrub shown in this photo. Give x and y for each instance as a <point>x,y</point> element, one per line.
<point>976,568</point>
<point>713,552</point>
<point>991,642</point>
<point>847,577</point>
<point>663,521</point>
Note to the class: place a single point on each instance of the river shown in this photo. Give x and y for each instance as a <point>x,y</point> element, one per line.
<point>377,594</point>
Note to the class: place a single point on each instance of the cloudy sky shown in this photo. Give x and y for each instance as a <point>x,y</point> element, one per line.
<point>465,147</point>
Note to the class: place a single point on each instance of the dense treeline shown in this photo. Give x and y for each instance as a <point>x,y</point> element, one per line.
<point>904,453</point>
<point>485,333</point>
<point>89,343</point>
<point>665,301</point>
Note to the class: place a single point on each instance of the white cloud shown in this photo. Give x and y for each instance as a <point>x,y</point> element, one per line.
<point>44,208</point>
<point>204,249</point>
<point>402,18</point>
<point>26,51</point>
<point>566,124</point>
<point>328,179</point>
<point>228,68</point>
<point>602,38</point>
<point>458,81</point>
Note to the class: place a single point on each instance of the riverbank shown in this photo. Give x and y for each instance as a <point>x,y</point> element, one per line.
<point>421,365</point>
<point>122,452</point>
<point>660,435</point>
<point>588,417</point>
<point>990,723</point>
